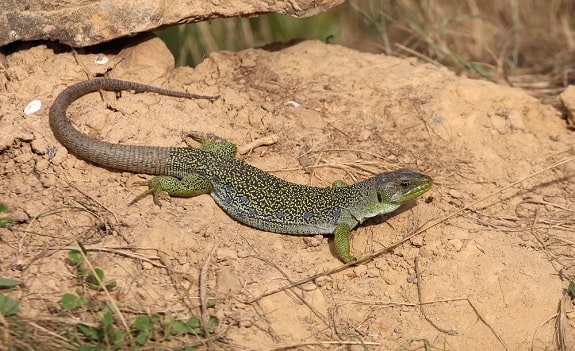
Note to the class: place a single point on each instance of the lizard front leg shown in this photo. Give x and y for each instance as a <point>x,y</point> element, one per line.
<point>341,242</point>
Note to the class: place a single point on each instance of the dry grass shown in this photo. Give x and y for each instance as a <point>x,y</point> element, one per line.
<point>491,39</point>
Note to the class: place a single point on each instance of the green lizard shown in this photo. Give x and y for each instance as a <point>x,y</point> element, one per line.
<point>246,193</point>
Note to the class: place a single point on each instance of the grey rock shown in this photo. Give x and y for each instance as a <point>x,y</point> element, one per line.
<point>80,23</point>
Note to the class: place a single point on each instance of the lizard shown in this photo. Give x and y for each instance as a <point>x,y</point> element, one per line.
<point>246,193</point>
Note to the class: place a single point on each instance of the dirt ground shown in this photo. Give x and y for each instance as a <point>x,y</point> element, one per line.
<point>492,277</point>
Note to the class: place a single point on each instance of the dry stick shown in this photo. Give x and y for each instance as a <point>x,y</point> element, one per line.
<point>391,304</point>
<point>267,140</point>
<point>52,334</point>
<point>376,155</point>
<point>419,299</point>
<point>301,298</point>
<point>561,322</point>
<point>541,326</point>
<point>72,185</point>
<point>287,277</point>
<point>26,231</point>
<point>176,281</point>
<point>487,324</point>
<point>108,295</point>
<point>120,251</point>
<point>320,343</point>
<point>5,333</point>
<point>409,304</point>
<point>46,213</point>
<point>419,231</point>
<point>202,288</point>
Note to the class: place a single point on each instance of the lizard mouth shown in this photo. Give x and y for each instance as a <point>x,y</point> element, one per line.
<point>414,188</point>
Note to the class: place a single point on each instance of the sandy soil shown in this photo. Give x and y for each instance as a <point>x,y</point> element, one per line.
<point>493,275</point>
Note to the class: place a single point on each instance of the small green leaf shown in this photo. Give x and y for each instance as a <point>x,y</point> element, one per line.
<point>107,318</point>
<point>211,304</point>
<point>155,318</point>
<point>193,323</point>
<point>70,302</point>
<point>91,333</point>
<point>4,221</point>
<point>116,336</point>
<point>143,337</point>
<point>8,283</point>
<point>75,257</point>
<point>141,323</point>
<point>572,288</point>
<point>167,320</point>
<point>8,306</point>
<point>179,327</point>
<point>112,335</point>
<point>93,277</point>
<point>212,323</point>
<point>82,272</point>
<point>110,284</point>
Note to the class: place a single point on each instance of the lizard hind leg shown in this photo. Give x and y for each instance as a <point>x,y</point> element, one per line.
<point>214,143</point>
<point>162,187</point>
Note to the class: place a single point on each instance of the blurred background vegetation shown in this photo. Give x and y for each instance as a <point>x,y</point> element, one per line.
<point>504,41</point>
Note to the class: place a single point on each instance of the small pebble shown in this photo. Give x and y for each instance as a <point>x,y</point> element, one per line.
<point>373,273</point>
<point>132,220</point>
<point>245,323</point>
<point>267,106</point>
<point>455,244</point>
<point>33,106</point>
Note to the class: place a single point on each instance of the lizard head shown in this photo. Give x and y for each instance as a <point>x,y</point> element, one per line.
<point>400,186</point>
<point>387,191</point>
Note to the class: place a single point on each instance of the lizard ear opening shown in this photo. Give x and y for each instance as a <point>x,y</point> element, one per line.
<point>379,197</point>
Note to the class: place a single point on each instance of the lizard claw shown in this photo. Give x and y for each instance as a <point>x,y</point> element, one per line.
<point>157,195</point>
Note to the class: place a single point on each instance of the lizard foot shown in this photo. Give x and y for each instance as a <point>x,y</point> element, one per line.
<point>158,195</point>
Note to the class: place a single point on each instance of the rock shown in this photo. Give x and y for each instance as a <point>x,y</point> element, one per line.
<point>147,56</point>
<point>83,23</point>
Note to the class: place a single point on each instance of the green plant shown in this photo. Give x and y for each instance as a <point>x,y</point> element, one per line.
<point>95,278</point>
<point>8,306</point>
<point>4,220</point>
<point>106,332</point>
<point>71,302</point>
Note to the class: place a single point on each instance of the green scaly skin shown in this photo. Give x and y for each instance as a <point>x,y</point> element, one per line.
<point>246,193</point>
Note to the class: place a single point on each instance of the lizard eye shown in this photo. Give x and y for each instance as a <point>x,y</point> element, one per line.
<point>404,184</point>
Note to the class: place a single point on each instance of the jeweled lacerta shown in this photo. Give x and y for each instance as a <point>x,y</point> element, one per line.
<point>248,194</point>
